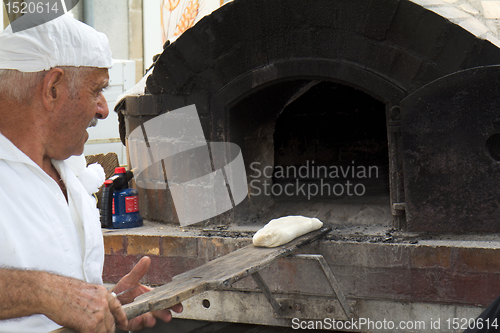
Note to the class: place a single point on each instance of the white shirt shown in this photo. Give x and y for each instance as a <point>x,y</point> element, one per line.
<point>40,230</point>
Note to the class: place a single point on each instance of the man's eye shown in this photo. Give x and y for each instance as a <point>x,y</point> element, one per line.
<point>101,90</point>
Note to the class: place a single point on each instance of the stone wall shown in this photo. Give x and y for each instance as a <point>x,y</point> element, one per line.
<point>408,278</point>
<point>478,17</point>
<point>442,270</point>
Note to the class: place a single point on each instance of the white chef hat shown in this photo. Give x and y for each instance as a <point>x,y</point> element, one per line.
<point>63,41</point>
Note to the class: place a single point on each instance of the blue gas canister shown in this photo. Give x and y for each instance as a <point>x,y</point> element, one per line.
<point>120,204</point>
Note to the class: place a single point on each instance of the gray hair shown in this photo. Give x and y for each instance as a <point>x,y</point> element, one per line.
<point>20,86</point>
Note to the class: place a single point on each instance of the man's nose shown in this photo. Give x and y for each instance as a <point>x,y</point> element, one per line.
<point>102,107</point>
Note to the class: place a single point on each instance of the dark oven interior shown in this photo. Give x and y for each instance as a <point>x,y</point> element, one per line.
<point>321,151</point>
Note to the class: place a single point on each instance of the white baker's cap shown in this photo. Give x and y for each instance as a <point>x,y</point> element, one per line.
<point>63,41</point>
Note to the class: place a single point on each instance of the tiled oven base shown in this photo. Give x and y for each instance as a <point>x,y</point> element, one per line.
<point>386,274</point>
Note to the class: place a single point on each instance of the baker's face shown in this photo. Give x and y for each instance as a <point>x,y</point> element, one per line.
<point>82,110</point>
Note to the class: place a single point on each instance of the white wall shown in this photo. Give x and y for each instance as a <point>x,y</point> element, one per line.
<point>111,17</point>
<point>153,43</point>
<point>153,40</point>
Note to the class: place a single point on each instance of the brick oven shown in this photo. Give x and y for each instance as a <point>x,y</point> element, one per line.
<point>386,107</point>
<point>324,88</point>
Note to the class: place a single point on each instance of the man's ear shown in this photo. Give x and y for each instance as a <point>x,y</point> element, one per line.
<point>52,87</point>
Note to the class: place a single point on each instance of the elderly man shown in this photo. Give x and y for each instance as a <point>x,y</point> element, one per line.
<point>51,247</point>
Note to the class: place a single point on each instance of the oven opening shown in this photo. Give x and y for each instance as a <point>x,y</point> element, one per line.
<point>331,157</point>
<point>314,148</point>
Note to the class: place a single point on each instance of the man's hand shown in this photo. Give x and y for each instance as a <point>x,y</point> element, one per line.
<point>131,280</point>
<point>69,302</point>
<point>90,308</point>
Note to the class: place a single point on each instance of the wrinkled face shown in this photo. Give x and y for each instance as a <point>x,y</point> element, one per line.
<point>78,112</point>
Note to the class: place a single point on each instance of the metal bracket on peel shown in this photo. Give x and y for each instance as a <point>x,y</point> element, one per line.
<point>329,276</point>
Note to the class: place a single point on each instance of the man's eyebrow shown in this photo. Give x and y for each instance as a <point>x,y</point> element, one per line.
<point>103,85</point>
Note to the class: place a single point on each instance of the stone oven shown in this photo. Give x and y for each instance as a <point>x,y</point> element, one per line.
<point>357,112</point>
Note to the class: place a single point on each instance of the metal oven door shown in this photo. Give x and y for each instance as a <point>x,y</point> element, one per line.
<point>451,153</point>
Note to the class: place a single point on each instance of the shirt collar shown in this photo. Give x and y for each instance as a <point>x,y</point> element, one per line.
<point>9,152</point>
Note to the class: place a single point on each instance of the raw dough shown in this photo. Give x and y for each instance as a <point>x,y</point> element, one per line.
<point>284,229</point>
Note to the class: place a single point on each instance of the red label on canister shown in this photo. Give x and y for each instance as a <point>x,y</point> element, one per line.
<point>113,206</point>
<point>132,204</point>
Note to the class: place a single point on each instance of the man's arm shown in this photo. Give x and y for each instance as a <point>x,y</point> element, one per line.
<point>69,302</point>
